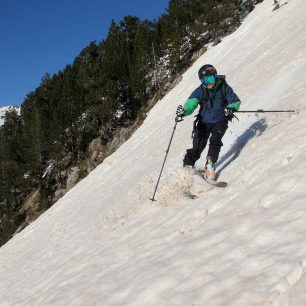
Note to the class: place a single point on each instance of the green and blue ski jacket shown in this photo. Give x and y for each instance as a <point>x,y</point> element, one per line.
<point>213,102</point>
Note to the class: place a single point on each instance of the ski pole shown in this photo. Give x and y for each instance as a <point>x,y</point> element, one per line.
<point>266,111</point>
<point>177,119</point>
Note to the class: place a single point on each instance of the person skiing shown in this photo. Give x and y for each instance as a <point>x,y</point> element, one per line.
<point>217,102</point>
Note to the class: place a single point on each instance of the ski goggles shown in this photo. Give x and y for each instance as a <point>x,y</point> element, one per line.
<point>211,79</point>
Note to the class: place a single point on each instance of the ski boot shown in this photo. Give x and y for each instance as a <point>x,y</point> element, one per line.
<point>210,170</point>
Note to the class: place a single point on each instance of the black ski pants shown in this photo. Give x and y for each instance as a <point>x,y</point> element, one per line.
<point>201,135</point>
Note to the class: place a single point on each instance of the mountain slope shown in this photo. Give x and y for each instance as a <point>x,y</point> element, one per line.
<point>104,243</point>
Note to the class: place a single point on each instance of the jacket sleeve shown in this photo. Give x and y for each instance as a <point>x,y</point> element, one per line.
<point>232,99</point>
<point>190,105</point>
<point>193,101</point>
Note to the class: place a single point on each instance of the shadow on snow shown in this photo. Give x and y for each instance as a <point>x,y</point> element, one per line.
<point>256,129</point>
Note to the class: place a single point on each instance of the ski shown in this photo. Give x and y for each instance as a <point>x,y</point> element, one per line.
<point>215,183</point>
<point>211,182</point>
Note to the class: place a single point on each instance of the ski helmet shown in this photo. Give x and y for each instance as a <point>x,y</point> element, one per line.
<point>206,70</point>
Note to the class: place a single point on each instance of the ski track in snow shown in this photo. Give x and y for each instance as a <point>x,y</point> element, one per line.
<point>105,243</point>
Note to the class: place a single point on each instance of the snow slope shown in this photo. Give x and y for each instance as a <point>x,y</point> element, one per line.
<point>104,243</point>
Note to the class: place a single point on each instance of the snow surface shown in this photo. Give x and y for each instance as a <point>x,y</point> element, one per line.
<point>104,243</point>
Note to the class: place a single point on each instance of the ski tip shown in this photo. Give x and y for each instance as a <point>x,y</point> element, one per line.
<point>222,184</point>
<point>216,183</point>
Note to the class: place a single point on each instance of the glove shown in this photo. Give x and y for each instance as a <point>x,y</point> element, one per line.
<point>180,111</point>
<point>229,112</point>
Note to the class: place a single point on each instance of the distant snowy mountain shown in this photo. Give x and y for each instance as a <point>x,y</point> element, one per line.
<point>4,109</point>
<point>105,243</point>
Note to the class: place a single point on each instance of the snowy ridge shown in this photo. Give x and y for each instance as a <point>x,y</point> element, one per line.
<point>4,109</point>
<point>104,243</point>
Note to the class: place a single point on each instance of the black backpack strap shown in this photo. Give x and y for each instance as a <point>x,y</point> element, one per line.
<point>205,96</point>
<point>223,88</point>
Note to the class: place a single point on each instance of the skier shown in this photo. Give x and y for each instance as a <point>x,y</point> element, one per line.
<point>217,102</point>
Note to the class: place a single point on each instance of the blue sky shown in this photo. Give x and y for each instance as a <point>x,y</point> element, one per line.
<point>39,36</point>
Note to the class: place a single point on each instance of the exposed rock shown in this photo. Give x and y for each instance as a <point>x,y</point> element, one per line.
<point>72,178</point>
<point>29,209</point>
<point>31,203</point>
<point>59,193</point>
<point>216,41</point>
<point>173,82</point>
<point>198,53</point>
<point>276,6</point>
<point>66,161</point>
